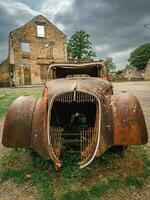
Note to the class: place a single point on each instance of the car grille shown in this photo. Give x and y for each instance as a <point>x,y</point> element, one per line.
<point>80,138</point>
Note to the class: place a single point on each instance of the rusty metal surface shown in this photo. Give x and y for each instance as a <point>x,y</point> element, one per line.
<point>107,125</point>
<point>128,119</point>
<point>118,119</point>
<point>39,138</point>
<point>18,122</point>
<point>101,69</point>
<point>96,86</point>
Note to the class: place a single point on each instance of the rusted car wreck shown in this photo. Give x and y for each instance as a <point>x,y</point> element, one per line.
<point>78,113</point>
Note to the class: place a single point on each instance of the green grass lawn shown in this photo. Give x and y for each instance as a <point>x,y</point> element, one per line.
<point>71,183</point>
<point>107,174</point>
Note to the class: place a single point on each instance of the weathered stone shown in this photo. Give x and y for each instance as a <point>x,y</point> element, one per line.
<point>147,72</point>
<point>132,73</point>
<point>30,54</point>
<point>4,73</point>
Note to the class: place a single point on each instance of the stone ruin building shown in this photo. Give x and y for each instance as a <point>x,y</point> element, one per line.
<point>32,48</point>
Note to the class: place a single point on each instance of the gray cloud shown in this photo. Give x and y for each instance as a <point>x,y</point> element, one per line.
<point>116,26</point>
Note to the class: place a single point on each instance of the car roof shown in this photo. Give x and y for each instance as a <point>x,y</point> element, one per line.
<point>77,65</point>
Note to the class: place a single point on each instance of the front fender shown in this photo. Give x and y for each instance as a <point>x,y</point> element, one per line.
<point>39,137</point>
<point>128,120</point>
<point>18,122</point>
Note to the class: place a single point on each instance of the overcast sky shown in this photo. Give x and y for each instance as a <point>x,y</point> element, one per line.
<point>116,27</point>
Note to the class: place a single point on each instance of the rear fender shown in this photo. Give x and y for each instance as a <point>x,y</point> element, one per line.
<point>128,120</point>
<point>18,122</point>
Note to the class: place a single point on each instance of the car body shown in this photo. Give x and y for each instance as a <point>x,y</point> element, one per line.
<point>78,113</point>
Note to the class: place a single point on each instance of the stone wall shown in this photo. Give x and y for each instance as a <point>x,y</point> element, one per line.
<point>133,74</point>
<point>4,73</point>
<point>147,72</point>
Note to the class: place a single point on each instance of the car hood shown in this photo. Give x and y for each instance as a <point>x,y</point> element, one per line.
<point>96,86</point>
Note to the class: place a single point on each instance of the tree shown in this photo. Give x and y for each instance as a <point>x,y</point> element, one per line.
<point>140,56</point>
<point>111,67</point>
<point>79,46</point>
<point>119,72</point>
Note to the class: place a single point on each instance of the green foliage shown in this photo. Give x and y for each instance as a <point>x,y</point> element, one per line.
<point>70,167</point>
<point>131,181</point>
<point>98,189</point>
<point>115,183</point>
<point>111,67</point>
<point>79,46</point>
<point>18,176</point>
<point>38,162</point>
<point>119,72</point>
<point>140,56</point>
<point>43,182</point>
<point>146,162</point>
<point>76,195</point>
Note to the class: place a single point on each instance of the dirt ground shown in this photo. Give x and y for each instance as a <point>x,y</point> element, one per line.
<point>9,190</point>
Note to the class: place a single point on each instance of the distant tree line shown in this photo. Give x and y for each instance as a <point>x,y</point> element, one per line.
<point>80,48</point>
<point>140,56</point>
